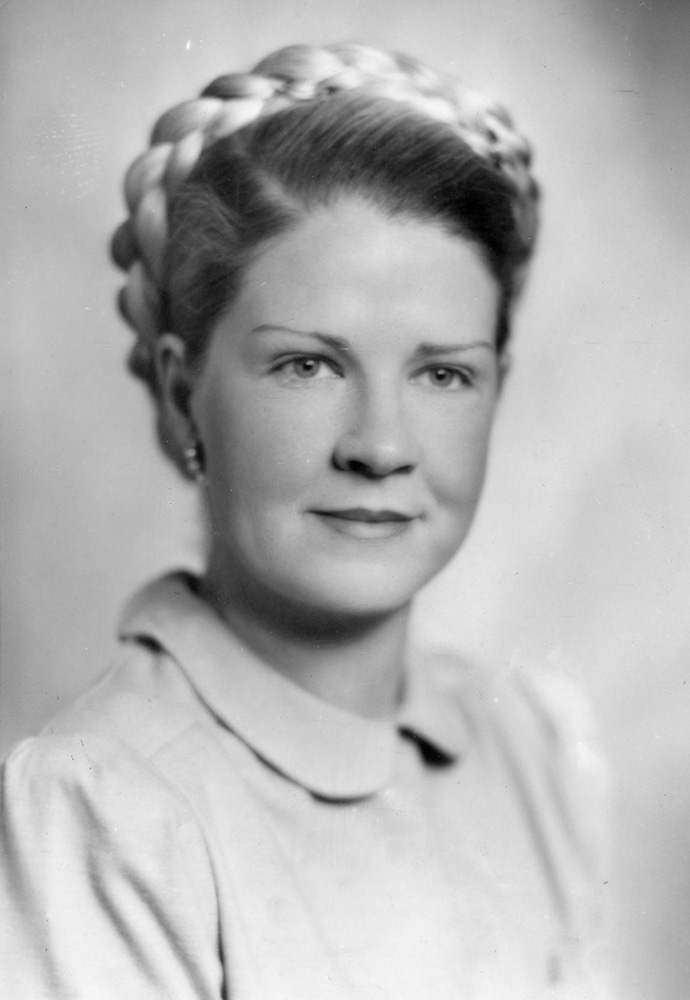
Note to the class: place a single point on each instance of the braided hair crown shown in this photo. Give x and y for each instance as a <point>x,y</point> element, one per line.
<point>289,77</point>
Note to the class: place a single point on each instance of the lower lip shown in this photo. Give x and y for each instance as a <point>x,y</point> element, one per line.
<point>364,529</point>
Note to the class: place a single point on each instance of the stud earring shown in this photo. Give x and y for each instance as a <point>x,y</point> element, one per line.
<point>194,461</point>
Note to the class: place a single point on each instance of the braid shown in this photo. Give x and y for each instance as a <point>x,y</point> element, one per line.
<point>284,79</point>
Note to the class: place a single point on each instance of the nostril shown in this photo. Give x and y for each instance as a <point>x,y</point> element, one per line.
<point>373,470</point>
<point>376,450</point>
<point>361,469</point>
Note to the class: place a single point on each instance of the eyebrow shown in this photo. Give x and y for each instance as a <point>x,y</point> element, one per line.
<point>337,343</point>
<point>425,350</point>
<point>431,350</point>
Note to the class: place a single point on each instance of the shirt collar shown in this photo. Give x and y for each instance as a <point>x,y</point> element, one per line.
<point>334,753</point>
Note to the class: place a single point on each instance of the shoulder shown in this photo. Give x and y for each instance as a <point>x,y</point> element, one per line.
<point>147,698</point>
<point>533,733</point>
<point>86,802</point>
<point>537,728</point>
<point>144,702</point>
<point>96,840</point>
<point>89,774</point>
<point>107,753</point>
<point>538,709</point>
<point>89,800</point>
<point>110,756</point>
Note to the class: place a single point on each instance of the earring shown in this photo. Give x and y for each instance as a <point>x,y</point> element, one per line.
<point>194,461</point>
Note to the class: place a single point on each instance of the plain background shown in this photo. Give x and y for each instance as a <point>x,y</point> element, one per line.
<point>580,557</point>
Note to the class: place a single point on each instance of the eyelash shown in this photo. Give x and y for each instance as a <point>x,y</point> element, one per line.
<point>460,377</point>
<point>283,367</point>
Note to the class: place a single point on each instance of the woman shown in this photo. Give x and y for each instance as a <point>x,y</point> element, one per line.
<point>272,795</point>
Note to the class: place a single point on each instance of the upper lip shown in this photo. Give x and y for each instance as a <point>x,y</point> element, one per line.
<point>366,514</point>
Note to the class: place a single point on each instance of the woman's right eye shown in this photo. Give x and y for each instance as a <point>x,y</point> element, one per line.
<point>307,368</point>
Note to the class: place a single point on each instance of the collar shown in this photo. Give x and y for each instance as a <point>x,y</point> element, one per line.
<point>335,754</point>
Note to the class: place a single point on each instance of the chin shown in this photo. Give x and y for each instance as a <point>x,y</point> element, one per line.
<point>363,593</point>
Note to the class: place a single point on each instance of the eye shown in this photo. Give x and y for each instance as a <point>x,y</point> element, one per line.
<point>307,368</point>
<point>444,377</point>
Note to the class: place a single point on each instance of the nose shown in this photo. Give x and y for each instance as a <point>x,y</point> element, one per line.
<point>376,439</point>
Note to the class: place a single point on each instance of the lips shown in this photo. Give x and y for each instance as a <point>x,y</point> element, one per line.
<point>365,515</point>
<point>366,524</point>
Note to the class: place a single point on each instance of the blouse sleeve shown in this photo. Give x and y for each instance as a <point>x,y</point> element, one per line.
<point>573,805</point>
<point>106,888</point>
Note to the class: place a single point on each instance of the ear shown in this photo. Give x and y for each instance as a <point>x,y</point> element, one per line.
<point>175,385</point>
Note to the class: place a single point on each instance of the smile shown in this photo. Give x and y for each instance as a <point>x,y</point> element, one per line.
<point>362,522</point>
<point>365,515</point>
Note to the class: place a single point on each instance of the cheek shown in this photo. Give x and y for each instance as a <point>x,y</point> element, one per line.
<point>458,466</point>
<point>258,451</point>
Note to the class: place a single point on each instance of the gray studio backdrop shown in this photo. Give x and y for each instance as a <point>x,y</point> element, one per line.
<point>581,555</point>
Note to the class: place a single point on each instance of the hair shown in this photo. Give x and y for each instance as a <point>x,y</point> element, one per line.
<point>257,151</point>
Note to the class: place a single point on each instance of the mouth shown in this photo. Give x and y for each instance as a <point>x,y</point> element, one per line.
<point>366,516</point>
<point>366,523</point>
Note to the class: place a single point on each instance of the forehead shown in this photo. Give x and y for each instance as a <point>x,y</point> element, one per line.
<point>348,266</point>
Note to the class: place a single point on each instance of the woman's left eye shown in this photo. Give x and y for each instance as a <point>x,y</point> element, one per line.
<point>443,377</point>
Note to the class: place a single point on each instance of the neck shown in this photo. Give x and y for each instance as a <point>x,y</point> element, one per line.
<point>352,661</point>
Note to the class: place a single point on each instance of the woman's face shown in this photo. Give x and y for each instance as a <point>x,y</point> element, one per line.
<point>345,407</point>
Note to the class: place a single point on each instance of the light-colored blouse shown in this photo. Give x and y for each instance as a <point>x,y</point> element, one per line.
<point>197,826</point>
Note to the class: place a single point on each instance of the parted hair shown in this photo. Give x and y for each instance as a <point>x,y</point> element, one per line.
<point>256,151</point>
